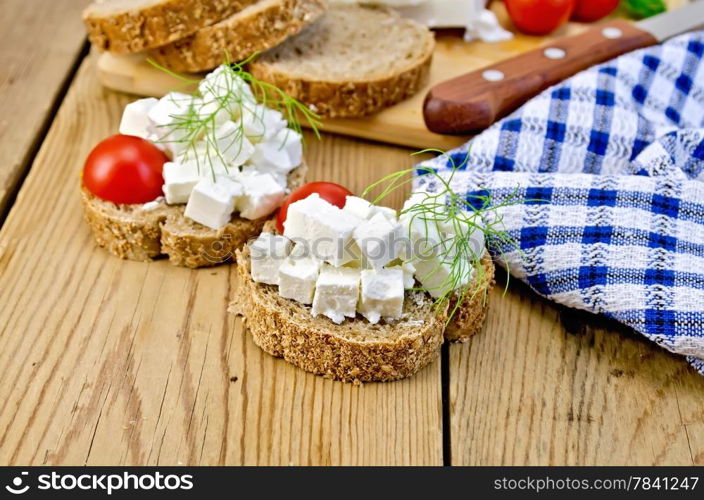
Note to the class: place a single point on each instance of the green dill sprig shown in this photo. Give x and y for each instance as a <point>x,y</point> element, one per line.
<point>449,222</point>
<point>235,92</point>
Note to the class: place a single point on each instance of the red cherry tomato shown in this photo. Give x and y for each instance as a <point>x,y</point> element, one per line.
<point>125,169</point>
<point>539,17</point>
<point>589,11</point>
<point>332,193</point>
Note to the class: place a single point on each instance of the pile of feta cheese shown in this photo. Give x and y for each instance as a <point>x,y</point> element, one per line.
<point>358,259</point>
<point>238,162</point>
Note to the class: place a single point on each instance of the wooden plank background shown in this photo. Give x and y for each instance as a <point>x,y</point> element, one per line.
<point>544,385</point>
<point>38,50</point>
<point>111,362</point>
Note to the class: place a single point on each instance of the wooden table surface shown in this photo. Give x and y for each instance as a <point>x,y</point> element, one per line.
<point>111,362</point>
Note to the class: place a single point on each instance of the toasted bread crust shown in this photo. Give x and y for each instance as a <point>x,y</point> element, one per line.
<point>239,36</point>
<point>129,232</point>
<point>286,329</point>
<point>348,99</point>
<point>352,95</point>
<point>137,29</point>
<point>122,231</point>
<point>468,319</point>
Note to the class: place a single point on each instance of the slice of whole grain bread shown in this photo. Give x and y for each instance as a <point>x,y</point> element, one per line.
<point>128,26</point>
<point>258,27</point>
<point>135,233</point>
<point>469,317</point>
<point>354,61</point>
<point>356,350</point>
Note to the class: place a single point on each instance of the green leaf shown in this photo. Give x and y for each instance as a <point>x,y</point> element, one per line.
<point>640,9</point>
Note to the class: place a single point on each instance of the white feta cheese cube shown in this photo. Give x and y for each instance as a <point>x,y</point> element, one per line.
<point>249,170</point>
<point>154,139</point>
<point>475,245</point>
<point>387,212</point>
<point>215,111</point>
<point>326,228</point>
<point>382,294</point>
<point>358,261</point>
<point>440,274</point>
<point>261,123</point>
<point>261,195</point>
<point>224,85</point>
<point>415,198</point>
<point>283,152</point>
<point>232,145</point>
<point>179,181</point>
<point>439,267</point>
<point>267,253</point>
<point>168,116</point>
<point>169,108</point>
<point>421,234</point>
<point>336,293</point>
<point>379,239</point>
<point>408,270</point>
<point>359,207</point>
<point>297,275</point>
<point>206,158</point>
<point>212,202</point>
<point>135,118</point>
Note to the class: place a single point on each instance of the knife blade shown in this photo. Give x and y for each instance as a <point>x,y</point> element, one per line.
<point>473,101</point>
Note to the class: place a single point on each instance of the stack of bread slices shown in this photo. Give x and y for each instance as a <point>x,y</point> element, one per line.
<point>341,60</point>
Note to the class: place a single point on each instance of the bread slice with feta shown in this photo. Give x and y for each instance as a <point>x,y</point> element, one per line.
<point>156,229</point>
<point>354,61</point>
<point>356,350</point>
<point>257,28</point>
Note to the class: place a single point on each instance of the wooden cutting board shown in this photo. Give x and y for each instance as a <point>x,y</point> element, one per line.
<point>401,124</point>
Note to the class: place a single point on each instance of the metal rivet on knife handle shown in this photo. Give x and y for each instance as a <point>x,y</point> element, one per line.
<point>493,75</point>
<point>612,33</point>
<point>554,53</point>
<point>472,102</point>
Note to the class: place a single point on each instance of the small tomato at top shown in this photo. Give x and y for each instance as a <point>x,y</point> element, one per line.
<point>539,17</point>
<point>588,11</point>
<point>125,169</point>
<point>330,192</point>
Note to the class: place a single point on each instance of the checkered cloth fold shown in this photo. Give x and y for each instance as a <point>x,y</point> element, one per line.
<point>608,169</point>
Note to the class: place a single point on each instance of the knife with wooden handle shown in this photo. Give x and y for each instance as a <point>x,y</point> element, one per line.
<point>473,101</point>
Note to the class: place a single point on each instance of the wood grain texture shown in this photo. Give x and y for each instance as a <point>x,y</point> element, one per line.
<point>527,392</point>
<point>106,361</point>
<point>38,48</point>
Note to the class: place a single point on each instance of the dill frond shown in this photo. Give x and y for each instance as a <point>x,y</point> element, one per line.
<point>231,95</point>
<point>450,222</point>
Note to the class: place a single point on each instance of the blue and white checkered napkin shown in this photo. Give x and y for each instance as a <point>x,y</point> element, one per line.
<point>617,154</point>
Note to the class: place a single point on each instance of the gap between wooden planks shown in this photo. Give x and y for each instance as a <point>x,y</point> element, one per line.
<point>39,48</point>
<point>114,362</point>
<point>600,395</point>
